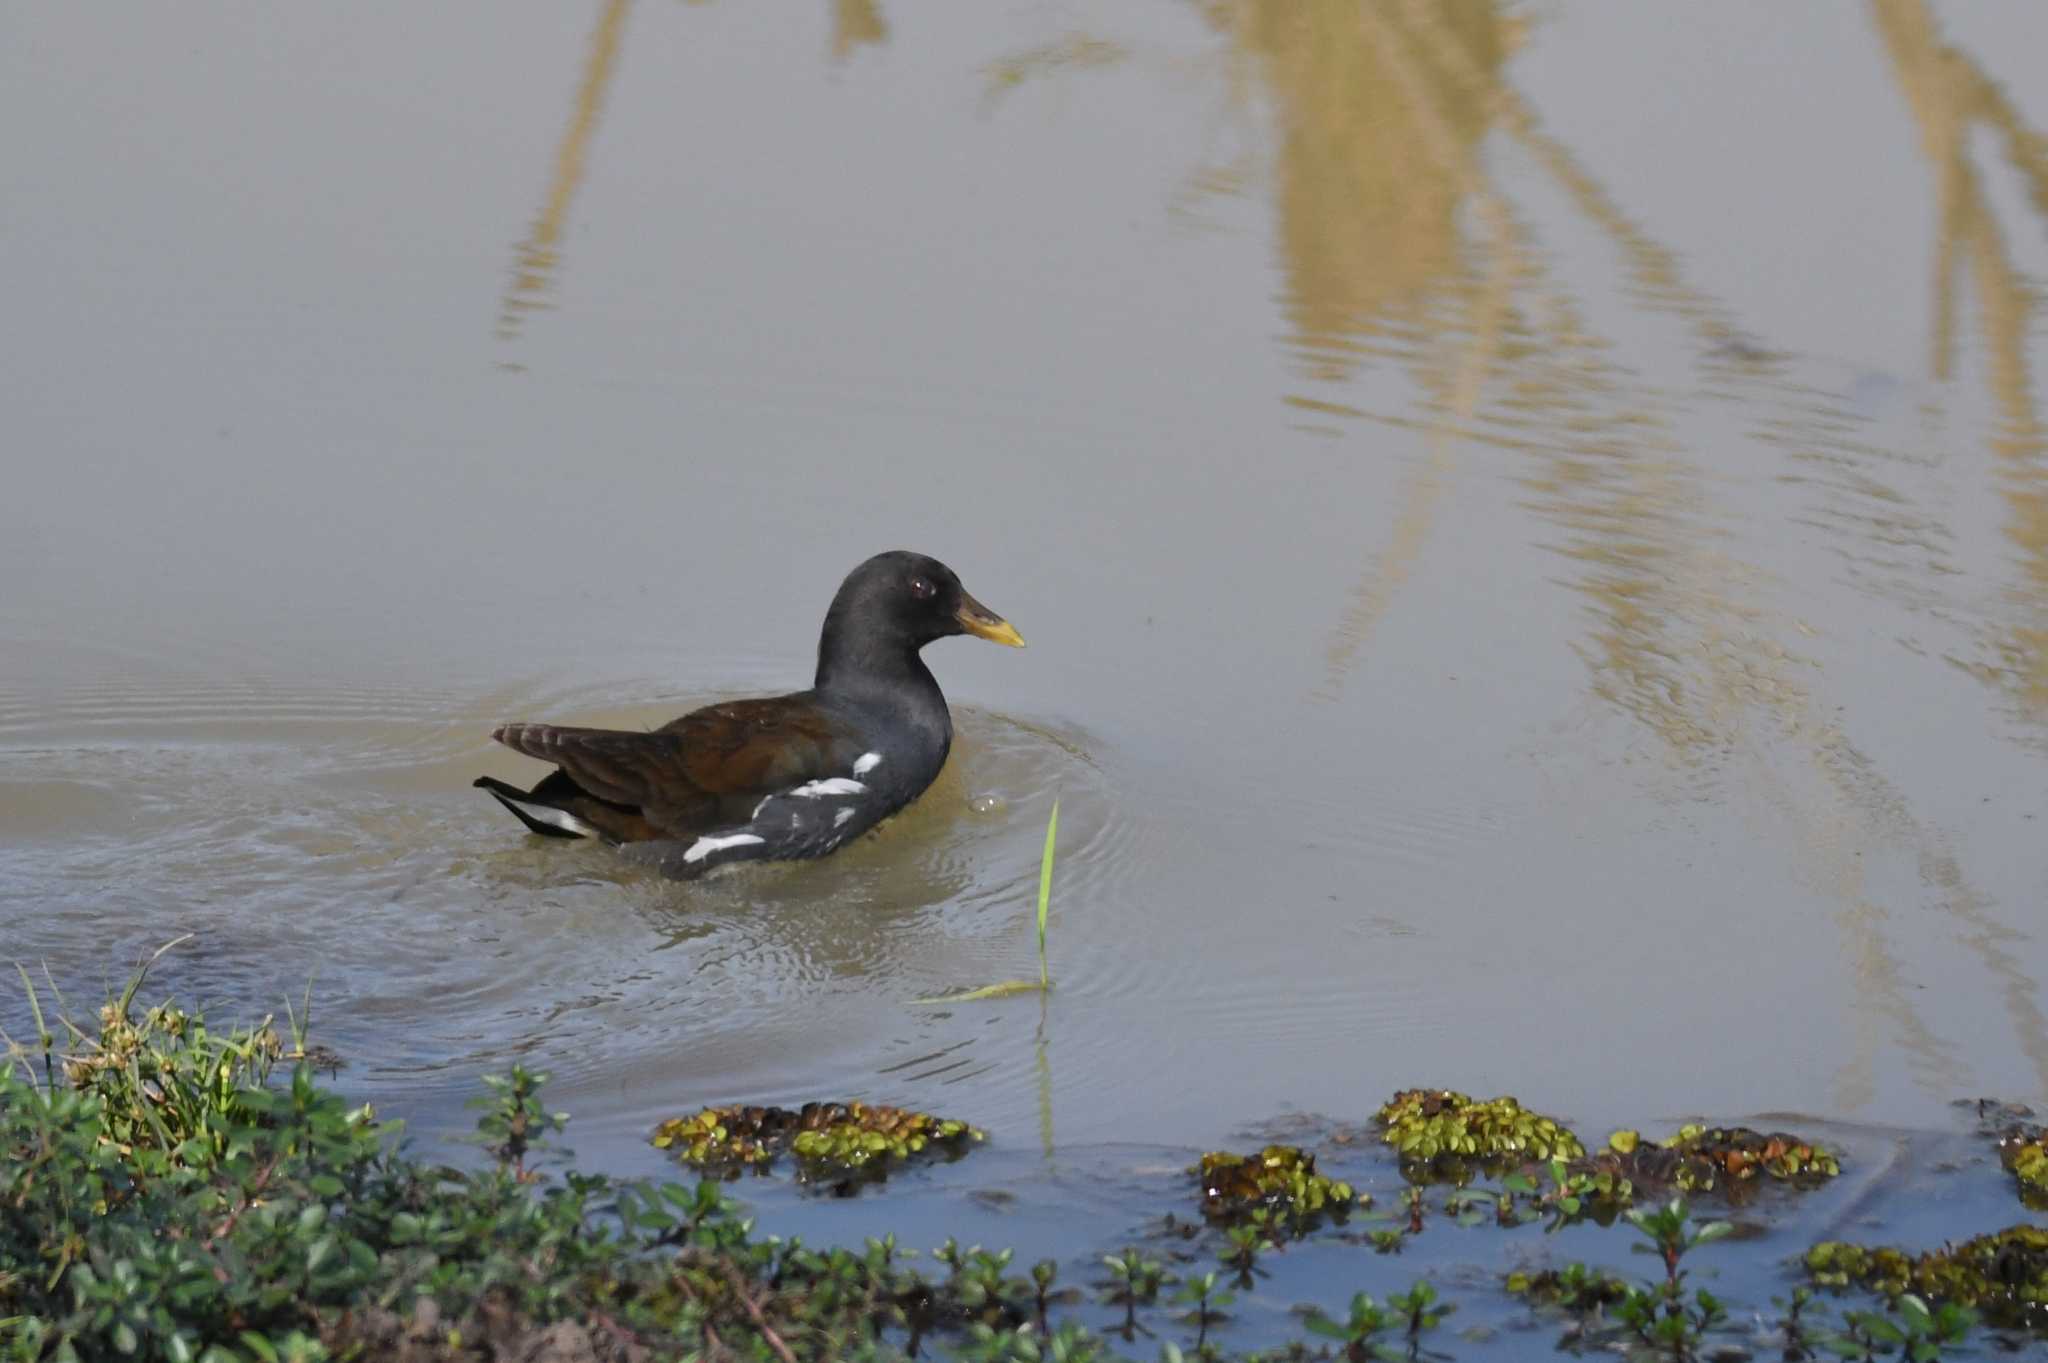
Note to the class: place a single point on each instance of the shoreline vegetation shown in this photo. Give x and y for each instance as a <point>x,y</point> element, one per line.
<point>169,1190</point>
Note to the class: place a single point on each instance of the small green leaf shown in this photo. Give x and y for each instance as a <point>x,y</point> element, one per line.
<point>317,1255</point>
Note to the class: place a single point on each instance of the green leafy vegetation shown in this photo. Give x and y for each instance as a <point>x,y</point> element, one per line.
<point>2003,1274</point>
<point>2026,1154</point>
<point>1277,1187</point>
<point>1444,1136</point>
<point>1703,1158</point>
<point>170,1190</point>
<point>830,1143</point>
<point>1440,1130</point>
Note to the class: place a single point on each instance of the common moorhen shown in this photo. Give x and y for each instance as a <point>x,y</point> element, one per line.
<point>777,779</point>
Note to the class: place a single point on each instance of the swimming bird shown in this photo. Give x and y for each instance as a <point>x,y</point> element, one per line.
<point>782,778</point>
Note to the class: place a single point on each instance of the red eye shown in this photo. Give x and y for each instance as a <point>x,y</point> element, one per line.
<point>922,589</point>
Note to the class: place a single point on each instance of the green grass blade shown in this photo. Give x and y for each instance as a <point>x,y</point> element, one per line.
<point>987,991</point>
<point>35,1005</point>
<point>1044,981</point>
<point>44,1040</point>
<point>142,972</point>
<point>1052,828</point>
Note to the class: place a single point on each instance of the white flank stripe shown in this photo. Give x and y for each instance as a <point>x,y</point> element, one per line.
<point>560,818</point>
<point>867,763</point>
<point>835,785</point>
<point>704,847</point>
<point>841,817</point>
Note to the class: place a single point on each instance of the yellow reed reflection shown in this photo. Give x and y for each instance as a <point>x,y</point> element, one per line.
<point>1952,100</point>
<point>1073,52</point>
<point>857,24</point>
<point>537,259</point>
<point>1397,245</point>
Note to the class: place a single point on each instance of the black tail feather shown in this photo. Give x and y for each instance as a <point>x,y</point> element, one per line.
<point>509,796</point>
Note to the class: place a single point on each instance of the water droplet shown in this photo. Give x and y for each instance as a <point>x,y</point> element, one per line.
<point>987,804</point>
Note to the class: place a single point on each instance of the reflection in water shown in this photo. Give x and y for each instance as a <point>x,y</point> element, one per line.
<point>1074,52</point>
<point>856,23</point>
<point>1379,116</point>
<point>1444,115</point>
<point>1378,129</point>
<point>1950,97</point>
<point>1380,112</point>
<point>537,258</point>
<point>1044,1067</point>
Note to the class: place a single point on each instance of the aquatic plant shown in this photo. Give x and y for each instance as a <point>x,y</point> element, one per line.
<point>1662,1316</point>
<point>1699,1158</point>
<point>2022,1145</point>
<point>1607,1313</point>
<point>1359,1332</point>
<point>1575,1287</point>
<point>1134,1280</point>
<point>1413,1313</point>
<point>1279,1182</point>
<point>828,1142</point>
<point>2024,1151</point>
<point>286,1225</point>
<point>1917,1332</point>
<point>1575,1193</point>
<point>292,1227</point>
<point>1420,1310</point>
<point>1671,1235</point>
<point>1439,1130</point>
<point>1659,1316</point>
<point>2003,1274</point>
<point>1243,1245</point>
<point>1200,1292</point>
<point>1044,982</point>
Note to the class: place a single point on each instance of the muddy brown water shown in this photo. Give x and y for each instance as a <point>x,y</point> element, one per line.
<point>1531,522</point>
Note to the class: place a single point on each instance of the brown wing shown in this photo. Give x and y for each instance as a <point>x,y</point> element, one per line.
<point>705,770</point>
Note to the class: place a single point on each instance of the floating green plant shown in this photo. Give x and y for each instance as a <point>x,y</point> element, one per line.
<point>829,1142</point>
<point>2022,1145</point>
<point>1703,1158</point>
<point>1733,1160</point>
<point>1043,983</point>
<point>1280,1181</point>
<point>1575,1287</point>
<point>1578,1191</point>
<point>2025,1152</point>
<point>2004,1274</point>
<point>1432,1127</point>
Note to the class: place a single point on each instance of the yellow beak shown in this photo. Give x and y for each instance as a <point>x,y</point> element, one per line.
<point>984,623</point>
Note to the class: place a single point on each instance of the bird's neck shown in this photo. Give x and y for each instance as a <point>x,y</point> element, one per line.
<point>901,692</point>
<point>858,671</point>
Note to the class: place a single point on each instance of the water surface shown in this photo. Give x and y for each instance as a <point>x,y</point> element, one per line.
<point>1532,523</point>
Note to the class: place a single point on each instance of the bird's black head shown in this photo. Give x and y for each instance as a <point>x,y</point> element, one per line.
<point>895,604</point>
